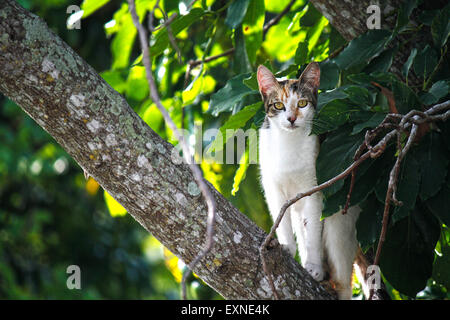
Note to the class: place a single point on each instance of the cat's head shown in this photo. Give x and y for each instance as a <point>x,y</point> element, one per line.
<point>290,104</point>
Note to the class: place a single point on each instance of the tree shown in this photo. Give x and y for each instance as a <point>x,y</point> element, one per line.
<point>101,132</point>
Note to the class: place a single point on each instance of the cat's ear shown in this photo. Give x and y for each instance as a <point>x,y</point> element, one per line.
<point>266,81</point>
<point>311,76</point>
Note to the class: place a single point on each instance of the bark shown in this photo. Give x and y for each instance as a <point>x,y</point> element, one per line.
<point>95,125</point>
<point>349,18</point>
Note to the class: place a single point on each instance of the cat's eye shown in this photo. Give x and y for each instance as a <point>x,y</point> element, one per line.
<point>302,103</point>
<point>278,105</point>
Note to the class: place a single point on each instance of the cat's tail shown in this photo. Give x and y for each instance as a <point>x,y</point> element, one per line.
<point>369,276</point>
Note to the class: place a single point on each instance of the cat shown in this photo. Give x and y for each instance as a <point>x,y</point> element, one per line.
<point>287,157</point>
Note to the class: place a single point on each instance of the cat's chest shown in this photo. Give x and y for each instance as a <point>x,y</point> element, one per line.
<point>287,156</point>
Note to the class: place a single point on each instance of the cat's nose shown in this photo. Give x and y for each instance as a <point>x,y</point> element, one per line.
<point>292,119</point>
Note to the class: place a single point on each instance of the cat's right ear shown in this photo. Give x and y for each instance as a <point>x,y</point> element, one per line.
<point>266,81</point>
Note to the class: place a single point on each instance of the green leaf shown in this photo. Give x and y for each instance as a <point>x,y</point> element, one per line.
<point>403,16</point>
<point>90,6</point>
<point>373,122</point>
<point>409,62</point>
<point>425,62</point>
<point>358,95</point>
<point>123,41</point>
<point>226,98</point>
<point>179,24</point>
<point>252,27</point>
<point>137,85</point>
<point>235,121</point>
<point>328,96</point>
<point>152,116</point>
<point>315,32</point>
<point>407,187</point>
<point>336,154</point>
<point>433,164</point>
<point>240,172</point>
<point>236,13</point>
<point>408,252</point>
<point>251,82</point>
<point>383,62</point>
<point>329,75</point>
<point>440,28</point>
<point>301,54</point>
<point>331,116</point>
<point>437,91</point>
<point>405,98</point>
<point>363,48</point>
<point>439,205</point>
<point>368,225</point>
<point>240,58</point>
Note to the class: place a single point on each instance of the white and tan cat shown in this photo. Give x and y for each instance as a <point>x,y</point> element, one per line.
<point>287,155</point>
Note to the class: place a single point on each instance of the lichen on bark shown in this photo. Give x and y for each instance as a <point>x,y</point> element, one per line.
<point>96,126</point>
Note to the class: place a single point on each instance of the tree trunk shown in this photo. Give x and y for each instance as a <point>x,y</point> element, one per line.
<point>95,125</point>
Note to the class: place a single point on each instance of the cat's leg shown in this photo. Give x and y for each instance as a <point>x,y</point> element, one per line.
<point>305,215</point>
<point>275,200</point>
<point>340,243</point>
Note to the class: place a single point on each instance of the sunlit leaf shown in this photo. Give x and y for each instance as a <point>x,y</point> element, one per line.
<point>240,172</point>
<point>115,208</point>
<point>137,85</point>
<point>90,6</point>
<point>252,27</point>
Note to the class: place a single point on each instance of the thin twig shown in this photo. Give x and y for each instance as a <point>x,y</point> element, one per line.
<point>350,191</point>
<point>196,172</point>
<point>277,18</point>
<point>390,194</point>
<point>194,63</point>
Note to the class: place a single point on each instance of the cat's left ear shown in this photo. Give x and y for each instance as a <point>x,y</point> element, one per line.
<point>311,76</point>
<point>266,81</point>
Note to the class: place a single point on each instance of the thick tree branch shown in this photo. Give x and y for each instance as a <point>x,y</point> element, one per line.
<point>95,125</point>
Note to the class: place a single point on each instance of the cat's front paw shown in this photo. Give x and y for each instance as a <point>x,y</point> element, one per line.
<point>315,270</point>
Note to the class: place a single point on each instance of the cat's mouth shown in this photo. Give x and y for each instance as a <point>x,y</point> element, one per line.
<point>290,127</point>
